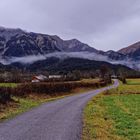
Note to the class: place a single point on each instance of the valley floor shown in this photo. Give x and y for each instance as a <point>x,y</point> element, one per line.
<point>114,114</point>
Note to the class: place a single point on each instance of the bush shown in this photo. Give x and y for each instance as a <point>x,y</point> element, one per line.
<point>123,79</point>
<point>51,89</point>
<point>5,94</point>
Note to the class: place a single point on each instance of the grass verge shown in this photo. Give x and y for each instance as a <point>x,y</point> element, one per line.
<point>114,114</point>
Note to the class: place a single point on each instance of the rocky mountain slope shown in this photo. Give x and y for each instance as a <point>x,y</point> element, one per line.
<point>18,43</point>
<point>18,46</point>
<point>132,51</point>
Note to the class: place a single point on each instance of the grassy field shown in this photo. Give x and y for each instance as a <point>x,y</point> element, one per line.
<point>21,105</point>
<point>133,81</point>
<point>8,84</point>
<point>114,114</point>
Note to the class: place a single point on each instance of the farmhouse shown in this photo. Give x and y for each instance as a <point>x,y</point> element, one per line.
<point>39,78</point>
<point>42,78</point>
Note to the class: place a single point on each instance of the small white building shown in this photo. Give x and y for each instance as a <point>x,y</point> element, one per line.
<point>55,76</point>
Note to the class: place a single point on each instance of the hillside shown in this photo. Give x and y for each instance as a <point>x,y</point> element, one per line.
<point>56,65</point>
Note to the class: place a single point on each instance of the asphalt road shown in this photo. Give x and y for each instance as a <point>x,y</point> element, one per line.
<point>57,120</point>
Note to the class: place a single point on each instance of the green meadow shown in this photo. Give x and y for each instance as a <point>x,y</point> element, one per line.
<point>114,114</point>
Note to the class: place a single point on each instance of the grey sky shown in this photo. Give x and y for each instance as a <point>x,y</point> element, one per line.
<point>103,24</point>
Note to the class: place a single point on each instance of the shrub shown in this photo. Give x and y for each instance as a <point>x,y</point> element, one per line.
<point>52,89</point>
<point>5,94</point>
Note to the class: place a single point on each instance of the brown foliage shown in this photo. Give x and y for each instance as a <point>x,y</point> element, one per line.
<point>5,94</point>
<point>52,89</point>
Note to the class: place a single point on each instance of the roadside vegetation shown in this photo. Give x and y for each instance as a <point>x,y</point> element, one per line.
<point>114,114</point>
<point>15,99</point>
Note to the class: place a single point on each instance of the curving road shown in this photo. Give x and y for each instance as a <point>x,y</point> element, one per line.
<point>57,120</point>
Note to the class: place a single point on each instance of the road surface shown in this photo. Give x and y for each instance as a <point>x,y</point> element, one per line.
<point>57,120</point>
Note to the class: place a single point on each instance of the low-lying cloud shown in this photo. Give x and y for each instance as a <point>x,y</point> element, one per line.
<point>22,60</point>
<point>64,55</point>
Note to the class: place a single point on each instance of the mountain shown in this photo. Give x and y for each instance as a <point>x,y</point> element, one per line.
<point>132,51</point>
<point>75,45</point>
<point>112,55</point>
<point>18,47</point>
<point>19,43</point>
<point>15,43</point>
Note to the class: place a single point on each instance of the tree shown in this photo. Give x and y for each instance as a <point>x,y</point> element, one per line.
<point>122,75</point>
<point>105,73</point>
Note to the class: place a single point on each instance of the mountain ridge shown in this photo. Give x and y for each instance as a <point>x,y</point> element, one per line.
<point>132,51</point>
<point>17,43</point>
<point>29,43</point>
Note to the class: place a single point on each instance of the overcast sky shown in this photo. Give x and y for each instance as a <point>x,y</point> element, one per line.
<point>103,24</point>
